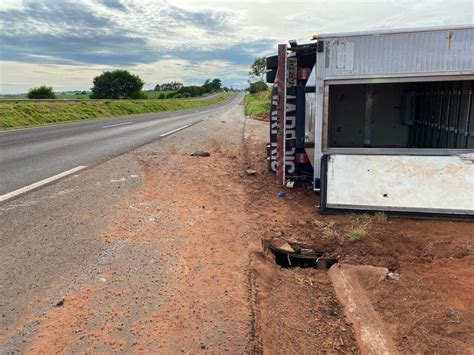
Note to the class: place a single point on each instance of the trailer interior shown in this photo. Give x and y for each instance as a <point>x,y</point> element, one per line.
<point>421,115</point>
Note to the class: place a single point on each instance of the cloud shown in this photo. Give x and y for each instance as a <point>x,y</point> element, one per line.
<point>81,36</point>
<point>80,76</point>
<point>114,4</point>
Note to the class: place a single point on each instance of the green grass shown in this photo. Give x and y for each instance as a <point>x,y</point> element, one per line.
<point>150,94</point>
<point>68,96</point>
<point>357,231</point>
<point>29,114</point>
<point>258,104</point>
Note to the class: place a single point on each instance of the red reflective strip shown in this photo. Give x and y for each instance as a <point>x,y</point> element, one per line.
<point>303,73</point>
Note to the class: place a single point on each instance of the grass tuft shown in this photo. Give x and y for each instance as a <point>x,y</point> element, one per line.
<point>357,231</point>
<point>328,229</point>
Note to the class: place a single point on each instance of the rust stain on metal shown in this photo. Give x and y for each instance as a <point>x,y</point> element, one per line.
<point>450,37</point>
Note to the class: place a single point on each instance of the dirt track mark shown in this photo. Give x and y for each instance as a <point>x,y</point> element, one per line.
<point>253,301</point>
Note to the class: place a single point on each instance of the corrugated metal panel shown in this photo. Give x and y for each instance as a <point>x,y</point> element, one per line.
<point>392,54</point>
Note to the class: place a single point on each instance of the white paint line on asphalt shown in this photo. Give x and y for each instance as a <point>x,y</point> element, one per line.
<point>40,183</point>
<point>175,130</point>
<point>117,124</point>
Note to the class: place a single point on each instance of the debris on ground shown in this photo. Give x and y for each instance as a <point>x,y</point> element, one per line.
<point>200,153</point>
<point>250,172</point>
<point>60,303</point>
<point>295,254</point>
<point>392,276</point>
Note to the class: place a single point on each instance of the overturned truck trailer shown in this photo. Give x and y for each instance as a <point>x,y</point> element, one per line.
<point>393,121</point>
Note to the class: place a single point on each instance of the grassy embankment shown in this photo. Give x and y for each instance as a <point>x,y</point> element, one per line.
<point>258,105</point>
<point>149,94</point>
<point>29,114</point>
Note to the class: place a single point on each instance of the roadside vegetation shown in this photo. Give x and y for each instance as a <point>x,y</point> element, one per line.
<point>42,92</point>
<point>121,84</point>
<point>257,100</point>
<point>258,105</point>
<point>357,228</point>
<point>85,95</point>
<point>29,114</point>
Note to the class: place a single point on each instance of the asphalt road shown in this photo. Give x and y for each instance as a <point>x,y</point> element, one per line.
<point>33,154</point>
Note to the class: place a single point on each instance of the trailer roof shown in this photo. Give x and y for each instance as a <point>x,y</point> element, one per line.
<point>394,31</point>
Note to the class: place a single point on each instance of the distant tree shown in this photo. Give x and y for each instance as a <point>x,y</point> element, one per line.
<point>257,87</point>
<point>117,84</point>
<point>192,90</point>
<point>207,86</point>
<point>210,86</point>
<point>172,86</point>
<point>258,69</point>
<point>42,92</point>
<point>216,84</point>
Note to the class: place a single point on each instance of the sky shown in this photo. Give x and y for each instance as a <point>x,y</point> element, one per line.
<point>65,44</point>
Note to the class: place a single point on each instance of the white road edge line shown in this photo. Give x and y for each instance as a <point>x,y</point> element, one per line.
<point>117,124</point>
<point>40,183</point>
<point>175,130</point>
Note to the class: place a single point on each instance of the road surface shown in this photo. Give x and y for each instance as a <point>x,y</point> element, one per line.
<point>33,154</point>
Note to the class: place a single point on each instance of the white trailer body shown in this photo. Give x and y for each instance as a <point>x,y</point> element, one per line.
<point>394,121</point>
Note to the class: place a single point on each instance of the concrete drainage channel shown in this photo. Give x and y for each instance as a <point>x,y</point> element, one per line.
<point>294,254</point>
<point>371,333</point>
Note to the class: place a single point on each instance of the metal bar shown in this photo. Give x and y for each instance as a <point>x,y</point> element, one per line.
<point>457,119</point>
<point>281,112</point>
<point>394,31</point>
<point>426,118</point>
<point>468,119</point>
<point>369,102</point>
<point>436,140</point>
<point>401,78</point>
<point>445,127</point>
<point>456,101</point>
<point>400,209</point>
<point>419,120</point>
<point>431,118</point>
<point>397,151</point>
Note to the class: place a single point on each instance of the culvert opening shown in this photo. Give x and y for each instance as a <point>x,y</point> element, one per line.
<point>295,254</point>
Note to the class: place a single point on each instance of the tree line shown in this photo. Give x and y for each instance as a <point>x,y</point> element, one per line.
<point>173,86</point>
<point>121,84</point>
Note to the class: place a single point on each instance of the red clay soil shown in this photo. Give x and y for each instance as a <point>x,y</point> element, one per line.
<point>222,293</point>
<point>430,309</point>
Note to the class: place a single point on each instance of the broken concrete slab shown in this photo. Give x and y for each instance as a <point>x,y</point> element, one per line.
<point>372,337</point>
<point>281,244</point>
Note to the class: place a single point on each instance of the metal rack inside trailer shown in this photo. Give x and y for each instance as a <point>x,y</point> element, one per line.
<point>394,126</point>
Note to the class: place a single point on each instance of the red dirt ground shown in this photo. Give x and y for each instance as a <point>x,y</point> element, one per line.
<point>223,294</point>
<point>430,309</point>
